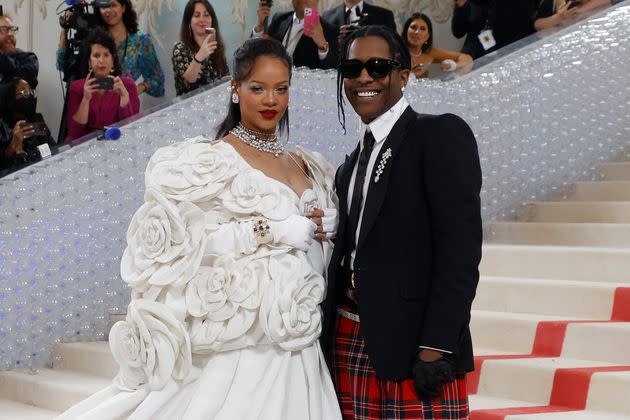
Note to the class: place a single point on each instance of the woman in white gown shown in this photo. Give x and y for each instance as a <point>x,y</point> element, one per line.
<point>226,261</point>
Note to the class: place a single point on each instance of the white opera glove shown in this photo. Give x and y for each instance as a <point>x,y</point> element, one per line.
<point>330,222</point>
<point>296,231</point>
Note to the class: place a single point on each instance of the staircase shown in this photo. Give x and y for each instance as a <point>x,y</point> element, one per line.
<point>551,321</point>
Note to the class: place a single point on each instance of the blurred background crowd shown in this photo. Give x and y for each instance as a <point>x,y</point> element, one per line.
<point>109,69</point>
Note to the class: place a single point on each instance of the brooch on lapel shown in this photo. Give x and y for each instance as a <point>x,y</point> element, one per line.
<point>381,165</point>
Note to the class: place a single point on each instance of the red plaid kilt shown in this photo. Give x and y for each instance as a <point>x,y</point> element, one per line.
<point>363,396</point>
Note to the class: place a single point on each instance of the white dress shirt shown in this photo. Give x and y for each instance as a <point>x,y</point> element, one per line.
<point>353,17</point>
<point>292,37</point>
<point>380,129</point>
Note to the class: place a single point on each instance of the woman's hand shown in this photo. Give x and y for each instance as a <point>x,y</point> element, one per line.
<point>565,13</point>
<point>88,87</point>
<point>206,49</point>
<point>121,90</point>
<point>20,132</point>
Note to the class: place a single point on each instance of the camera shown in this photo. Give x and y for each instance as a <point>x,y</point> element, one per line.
<point>77,27</point>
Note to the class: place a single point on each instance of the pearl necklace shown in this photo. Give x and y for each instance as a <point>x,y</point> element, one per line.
<point>265,142</point>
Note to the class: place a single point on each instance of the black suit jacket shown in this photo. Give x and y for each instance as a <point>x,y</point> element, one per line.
<point>419,247</point>
<point>373,15</point>
<point>306,52</point>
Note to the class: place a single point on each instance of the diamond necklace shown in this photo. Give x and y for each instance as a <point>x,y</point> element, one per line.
<point>265,142</point>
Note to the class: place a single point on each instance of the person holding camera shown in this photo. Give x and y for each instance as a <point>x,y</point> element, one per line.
<point>15,63</point>
<point>354,13</point>
<point>199,55</point>
<point>135,49</point>
<point>310,40</point>
<point>102,97</point>
<point>551,13</point>
<point>22,129</point>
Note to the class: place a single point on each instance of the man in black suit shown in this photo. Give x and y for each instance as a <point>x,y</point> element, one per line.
<point>404,270</point>
<point>314,47</point>
<point>353,13</point>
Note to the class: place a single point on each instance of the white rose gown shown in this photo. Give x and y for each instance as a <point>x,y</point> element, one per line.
<point>218,326</point>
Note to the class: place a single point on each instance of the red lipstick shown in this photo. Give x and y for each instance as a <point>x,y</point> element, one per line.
<point>269,114</point>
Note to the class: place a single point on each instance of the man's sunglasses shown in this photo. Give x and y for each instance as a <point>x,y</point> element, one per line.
<point>377,68</point>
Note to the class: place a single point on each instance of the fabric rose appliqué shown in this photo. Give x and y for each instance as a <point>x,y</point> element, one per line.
<point>165,243</point>
<point>223,301</point>
<point>191,171</point>
<point>252,192</point>
<point>289,311</point>
<point>151,346</point>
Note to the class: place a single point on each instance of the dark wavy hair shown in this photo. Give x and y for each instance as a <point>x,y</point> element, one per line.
<point>429,43</point>
<point>186,36</point>
<point>397,49</point>
<point>101,37</point>
<point>244,60</point>
<point>129,18</point>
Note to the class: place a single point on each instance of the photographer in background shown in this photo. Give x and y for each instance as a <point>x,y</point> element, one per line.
<point>102,97</point>
<point>310,42</point>
<point>354,13</point>
<point>22,129</point>
<point>199,55</point>
<point>15,63</point>
<point>553,13</point>
<point>135,49</point>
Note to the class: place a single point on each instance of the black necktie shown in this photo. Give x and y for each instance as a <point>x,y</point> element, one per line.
<point>357,193</point>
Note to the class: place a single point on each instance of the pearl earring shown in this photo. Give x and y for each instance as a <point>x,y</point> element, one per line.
<point>235,99</point>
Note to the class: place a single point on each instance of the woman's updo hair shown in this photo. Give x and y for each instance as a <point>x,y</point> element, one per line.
<point>244,61</point>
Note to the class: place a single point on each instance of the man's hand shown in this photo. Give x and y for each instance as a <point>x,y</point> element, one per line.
<point>316,33</point>
<point>263,12</point>
<point>429,377</point>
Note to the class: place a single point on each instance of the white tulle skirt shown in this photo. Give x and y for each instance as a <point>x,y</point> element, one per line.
<point>261,382</point>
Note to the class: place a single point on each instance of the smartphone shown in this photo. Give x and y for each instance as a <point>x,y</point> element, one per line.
<point>311,18</point>
<point>105,83</point>
<point>212,33</point>
<point>39,127</point>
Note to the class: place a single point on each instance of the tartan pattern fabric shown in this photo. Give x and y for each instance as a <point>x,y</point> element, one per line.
<point>363,396</point>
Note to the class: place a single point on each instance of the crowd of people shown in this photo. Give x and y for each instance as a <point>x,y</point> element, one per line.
<point>198,57</point>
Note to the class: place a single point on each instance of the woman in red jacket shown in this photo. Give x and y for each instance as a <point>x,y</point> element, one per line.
<point>102,97</point>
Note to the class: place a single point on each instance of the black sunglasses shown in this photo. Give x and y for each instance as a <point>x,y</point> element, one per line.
<point>377,68</point>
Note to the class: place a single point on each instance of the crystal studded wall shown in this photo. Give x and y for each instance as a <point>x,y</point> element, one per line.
<point>543,116</point>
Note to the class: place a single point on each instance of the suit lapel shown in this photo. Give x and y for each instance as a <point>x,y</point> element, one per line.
<point>283,27</point>
<point>377,190</point>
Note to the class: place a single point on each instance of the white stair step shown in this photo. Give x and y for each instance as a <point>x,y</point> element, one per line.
<point>615,171</point>
<point>569,415</point>
<point>610,391</point>
<point>12,410</point>
<point>600,191</point>
<point>50,389</point>
<point>589,300</point>
<point>483,402</point>
<point>579,234</point>
<point>557,262</point>
<point>505,331</point>
<point>576,212</point>
<point>606,342</point>
<point>93,358</point>
<point>525,379</point>
<point>484,351</point>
